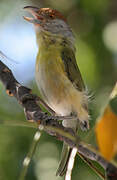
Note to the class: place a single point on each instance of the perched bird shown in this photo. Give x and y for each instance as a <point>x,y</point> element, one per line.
<point>57,74</point>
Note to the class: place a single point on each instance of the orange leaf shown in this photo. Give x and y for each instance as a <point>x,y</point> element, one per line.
<point>106,133</point>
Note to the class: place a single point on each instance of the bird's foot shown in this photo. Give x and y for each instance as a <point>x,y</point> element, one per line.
<point>84,125</point>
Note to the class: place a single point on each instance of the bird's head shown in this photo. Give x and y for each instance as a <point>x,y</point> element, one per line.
<point>49,20</point>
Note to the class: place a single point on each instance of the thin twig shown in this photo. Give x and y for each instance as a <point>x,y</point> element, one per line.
<point>90,164</point>
<point>29,156</point>
<point>71,164</point>
<point>18,123</point>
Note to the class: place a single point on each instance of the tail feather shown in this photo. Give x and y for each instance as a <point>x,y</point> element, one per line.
<point>65,155</point>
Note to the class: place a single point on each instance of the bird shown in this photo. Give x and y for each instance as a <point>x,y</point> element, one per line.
<point>57,74</point>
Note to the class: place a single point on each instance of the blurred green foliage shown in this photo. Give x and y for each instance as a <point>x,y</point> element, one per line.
<point>88,19</point>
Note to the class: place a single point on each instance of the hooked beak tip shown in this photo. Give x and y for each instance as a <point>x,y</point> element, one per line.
<point>31,8</point>
<point>34,11</point>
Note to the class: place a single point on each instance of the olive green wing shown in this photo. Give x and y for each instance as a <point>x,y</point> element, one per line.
<point>71,68</point>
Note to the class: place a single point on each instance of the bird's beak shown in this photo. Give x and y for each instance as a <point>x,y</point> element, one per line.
<point>34,12</point>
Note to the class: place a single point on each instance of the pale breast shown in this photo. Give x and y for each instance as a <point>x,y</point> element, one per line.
<point>54,87</point>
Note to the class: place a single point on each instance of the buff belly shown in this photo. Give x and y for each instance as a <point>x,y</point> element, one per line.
<point>54,89</point>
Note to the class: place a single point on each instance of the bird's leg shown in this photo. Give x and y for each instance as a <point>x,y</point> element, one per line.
<point>70,117</point>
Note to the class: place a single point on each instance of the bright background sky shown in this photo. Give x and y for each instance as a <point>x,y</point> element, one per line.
<point>17,41</point>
